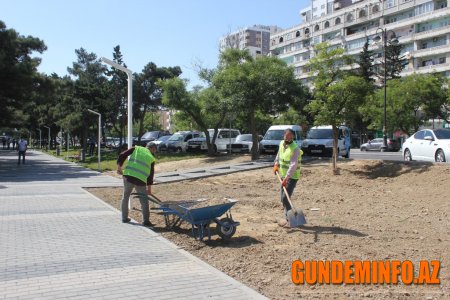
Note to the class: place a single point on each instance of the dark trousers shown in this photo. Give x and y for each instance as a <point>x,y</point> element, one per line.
<point>290,189</point>
<point>21,153</point>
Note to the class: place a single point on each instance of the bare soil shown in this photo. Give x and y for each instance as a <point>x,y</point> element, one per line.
<point>371,211</point>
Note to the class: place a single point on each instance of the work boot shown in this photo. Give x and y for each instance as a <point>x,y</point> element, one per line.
<point>148,224</point>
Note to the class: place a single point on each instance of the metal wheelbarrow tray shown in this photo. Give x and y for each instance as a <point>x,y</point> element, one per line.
<point>201,217</point>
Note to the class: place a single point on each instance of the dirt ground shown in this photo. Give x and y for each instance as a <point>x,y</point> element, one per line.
<point>371,211</point>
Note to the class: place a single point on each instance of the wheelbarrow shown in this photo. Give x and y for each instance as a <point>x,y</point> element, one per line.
<point>200,218</point>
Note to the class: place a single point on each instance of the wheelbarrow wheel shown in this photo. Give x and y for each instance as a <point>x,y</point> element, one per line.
<point>172,221</point>
<point>226,229</point>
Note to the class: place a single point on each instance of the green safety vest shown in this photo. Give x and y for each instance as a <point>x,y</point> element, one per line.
<point>139,164</point>
<point>284,159</point>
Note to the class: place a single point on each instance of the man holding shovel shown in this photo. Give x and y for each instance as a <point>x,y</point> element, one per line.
<point>138,175</point>
<point>287,165</point>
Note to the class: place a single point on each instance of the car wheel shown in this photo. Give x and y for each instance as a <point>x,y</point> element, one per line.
<point>440,156</point>
<point>407,156</point>
<point>179,150</point>
<point>363,149</point>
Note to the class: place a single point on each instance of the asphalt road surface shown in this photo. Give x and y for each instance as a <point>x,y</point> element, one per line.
<point>357,154</point>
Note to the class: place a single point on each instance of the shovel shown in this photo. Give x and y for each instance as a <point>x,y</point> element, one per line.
<point>295,216</point>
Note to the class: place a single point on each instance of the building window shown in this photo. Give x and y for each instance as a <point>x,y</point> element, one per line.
<point>349,18</point>
<point>306,31</point>
<point>375,9</point>
<point>316,28</point>
<point>297,34</point>
<point>338,21</point>
<point>327,24</point>
<point>281,39</point>
<point>442,60</point>
<point>362,13</point>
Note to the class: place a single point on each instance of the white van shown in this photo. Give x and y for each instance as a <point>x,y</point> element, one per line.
<point>271,140</point>
<point>225,137</point>
<point>319,141</point>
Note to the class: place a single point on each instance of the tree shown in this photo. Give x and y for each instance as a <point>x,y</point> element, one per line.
<point>90,91</point>
<point>117,114</point>
<point>263,84</point>
<point>204,106</point>
<point>366,63</point>
<point>148,94</point>
<point>337,93</point>
<point>411,101</point>
<point>18,74</point>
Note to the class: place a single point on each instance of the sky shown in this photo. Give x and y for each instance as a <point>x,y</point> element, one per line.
<point>181,33</point>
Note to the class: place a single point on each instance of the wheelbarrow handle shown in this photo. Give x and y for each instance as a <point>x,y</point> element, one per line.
<point>285,191</point>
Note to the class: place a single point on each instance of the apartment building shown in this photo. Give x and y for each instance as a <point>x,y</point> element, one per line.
<point>255,38</point>
<point>421,26</point>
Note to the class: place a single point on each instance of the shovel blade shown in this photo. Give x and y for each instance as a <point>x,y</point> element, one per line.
<point>296,217</point>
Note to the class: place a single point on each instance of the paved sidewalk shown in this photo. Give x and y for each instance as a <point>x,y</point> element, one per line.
<point>57,241</point>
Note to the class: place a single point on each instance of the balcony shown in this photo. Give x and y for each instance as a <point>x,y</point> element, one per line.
<point>431,51</point>
<point>432,33</point>
<point>427,69</point>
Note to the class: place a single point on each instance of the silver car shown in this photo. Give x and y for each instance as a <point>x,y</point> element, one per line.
<point>377,144</point>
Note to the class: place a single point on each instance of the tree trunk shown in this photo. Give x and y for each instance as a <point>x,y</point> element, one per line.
<point>83,143</point>
<point>255,152</point>
<point>335,149</point>
<point>210,142</point>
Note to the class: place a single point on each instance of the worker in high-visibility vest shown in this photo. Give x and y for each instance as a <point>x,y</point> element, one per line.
<point>287,164</point>
<point>138,175</point>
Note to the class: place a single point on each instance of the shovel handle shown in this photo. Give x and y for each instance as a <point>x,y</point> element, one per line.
<point>285,191</point>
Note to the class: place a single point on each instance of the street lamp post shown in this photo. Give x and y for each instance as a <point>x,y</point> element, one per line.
<point>394,40</point>
<point>48,141</point>
<point>130,96</point>
<point>99,135</point>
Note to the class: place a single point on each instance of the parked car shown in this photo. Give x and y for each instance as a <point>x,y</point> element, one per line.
<point>377,144</point>
<point>428,145</point>
<point>162,140</point>
<point>319,141</point>
<point>224,138</point>
<point>178,142</point>
<point>149,136</point>
<point>243,144</point>
<point>274,135</point>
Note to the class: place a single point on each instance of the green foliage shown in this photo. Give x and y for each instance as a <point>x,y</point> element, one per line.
<point>203,106</point>
<point>263,84</point>
<point>337,93</point>
<point>366,63</point>
<point>18,74</point>
<point>147,93</point>
<point>411,100</point>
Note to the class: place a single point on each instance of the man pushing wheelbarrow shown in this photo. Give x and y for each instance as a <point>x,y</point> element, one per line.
<point>287,169</point>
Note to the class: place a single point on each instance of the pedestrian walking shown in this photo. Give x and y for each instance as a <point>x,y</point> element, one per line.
<point>91,143</point>
<point>287,164</point>
<point>138,175</point>
<point>22,147</point>
<point>4,142</point>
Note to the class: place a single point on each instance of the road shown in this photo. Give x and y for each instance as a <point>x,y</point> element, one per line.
<point>357,154</point>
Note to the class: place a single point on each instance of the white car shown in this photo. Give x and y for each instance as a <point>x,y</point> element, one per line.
<point>428,145</point>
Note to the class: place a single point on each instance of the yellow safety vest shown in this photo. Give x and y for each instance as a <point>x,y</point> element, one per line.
<point>284,159</point>
<point>139,164</point>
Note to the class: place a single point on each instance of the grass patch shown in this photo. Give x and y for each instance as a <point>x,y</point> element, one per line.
<point>109,158</point>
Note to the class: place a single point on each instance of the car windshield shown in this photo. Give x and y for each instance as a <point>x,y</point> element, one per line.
<point>176,137</point>
<point>150,135</point>
<point>275,135</point>
<point>244,138</point>
<point>442,134</point>
<point>164,138</point>
<point>320,134</point>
